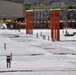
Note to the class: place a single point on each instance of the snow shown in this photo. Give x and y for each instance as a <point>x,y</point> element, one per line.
<point>37,56</point>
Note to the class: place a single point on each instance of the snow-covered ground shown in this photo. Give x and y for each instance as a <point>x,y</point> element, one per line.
<point>37,56</point>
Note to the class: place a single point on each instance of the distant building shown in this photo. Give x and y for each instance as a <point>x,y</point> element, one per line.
<point>10,9</point>
<point>17,1</point>
<point>43,1</point>
<point>32,2</point>
<point>58,4</point>
<point>50,1</point>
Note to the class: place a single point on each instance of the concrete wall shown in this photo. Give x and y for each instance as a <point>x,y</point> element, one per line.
<point>10,9</point>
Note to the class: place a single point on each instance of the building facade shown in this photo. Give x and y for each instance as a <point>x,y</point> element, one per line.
<point>58,4</point>
<point>50,1</point>
<point>10,9</point>
<point>32,2</point>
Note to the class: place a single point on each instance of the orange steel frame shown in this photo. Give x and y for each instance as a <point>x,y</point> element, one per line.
<point>55,24</point>
<point>29,22</point>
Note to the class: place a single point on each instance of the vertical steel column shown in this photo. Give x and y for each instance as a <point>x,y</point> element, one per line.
<point>58,25</point>
<point>51,23</point>
<point>29,21</point>
<point>55,24</point>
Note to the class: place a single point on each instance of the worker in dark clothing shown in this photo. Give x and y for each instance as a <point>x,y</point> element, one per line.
<point>19,26</point>
<point>8,61</point>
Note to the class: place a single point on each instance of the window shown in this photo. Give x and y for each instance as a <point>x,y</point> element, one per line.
<point>59,4</point>
<point>53,4</point>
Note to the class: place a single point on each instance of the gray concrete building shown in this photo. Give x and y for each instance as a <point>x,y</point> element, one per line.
<point>50,1</point>
<point>10,9</point>
<point>58,4</point>
<point>44,1</point>
<point>37,1</point>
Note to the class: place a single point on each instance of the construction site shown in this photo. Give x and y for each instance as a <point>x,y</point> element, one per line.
<point>41,43</point>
